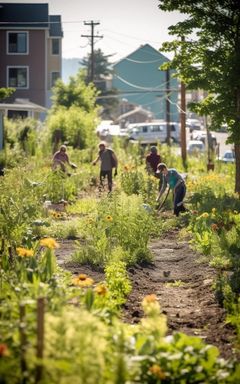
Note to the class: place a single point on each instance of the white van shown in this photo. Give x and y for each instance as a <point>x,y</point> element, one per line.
<point>154,132</point>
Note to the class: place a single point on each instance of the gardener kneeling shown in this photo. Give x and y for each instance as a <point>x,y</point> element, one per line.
<point>175,182</point>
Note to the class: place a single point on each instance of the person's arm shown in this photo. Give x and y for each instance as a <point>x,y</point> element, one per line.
<point>96,160</point>
<point>115,159</point>
<point>163,187</point>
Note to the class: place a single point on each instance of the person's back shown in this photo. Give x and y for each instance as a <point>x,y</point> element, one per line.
<point>152,160</point>
<point>105,158</point>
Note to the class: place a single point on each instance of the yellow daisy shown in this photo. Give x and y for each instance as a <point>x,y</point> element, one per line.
<point>109,218</point>
<point>24,252</point>
<point>101,290</point>
<point>49,242</point>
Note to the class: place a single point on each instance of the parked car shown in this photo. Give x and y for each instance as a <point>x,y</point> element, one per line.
<point>228,157</point>
<point>154,132</point>
<point>202,136</point>
<point>195,146</point>
<point>193,124</point>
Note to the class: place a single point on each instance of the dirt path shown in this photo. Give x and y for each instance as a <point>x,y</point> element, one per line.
<point>182,285</point>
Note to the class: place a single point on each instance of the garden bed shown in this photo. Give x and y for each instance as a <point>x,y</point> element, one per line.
<point>183,285</point>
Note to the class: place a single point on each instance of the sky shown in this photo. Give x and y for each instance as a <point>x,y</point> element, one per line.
<point>124,24</point>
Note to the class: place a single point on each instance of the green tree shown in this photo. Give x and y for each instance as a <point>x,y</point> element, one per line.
<point>75,92</point>
<point>107,99</point>
<point>207,56</point>
<point>74,114</point>
<point>6,92</point>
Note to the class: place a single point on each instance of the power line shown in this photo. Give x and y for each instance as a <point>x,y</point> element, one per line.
<point>92,37</point>
<point>148,89</point>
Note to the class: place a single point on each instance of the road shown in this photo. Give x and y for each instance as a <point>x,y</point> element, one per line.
<point>221,140</point>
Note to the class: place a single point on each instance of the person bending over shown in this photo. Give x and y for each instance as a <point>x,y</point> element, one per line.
<point>176,183</point>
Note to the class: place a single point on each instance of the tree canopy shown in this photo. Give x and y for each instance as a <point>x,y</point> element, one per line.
<point>106,99</point>
<point>6,92</point>
<point>74,114</point>
<point>207,56</point>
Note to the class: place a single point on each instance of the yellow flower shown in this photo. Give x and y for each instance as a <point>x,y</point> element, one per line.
<point>150,299</point>
<point>205,215</point>
<point>82,281</point>
<point>214,210</point>
<point>156,371</point>
<point>49,242</point>
<point>24,252</point>
<point>101,290</point>
<point>126,168</point>
<point>4,351</point>
<point>109,218</point>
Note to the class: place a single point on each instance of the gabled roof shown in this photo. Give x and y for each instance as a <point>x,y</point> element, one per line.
<point>148,50</point>
<point>133,111</point>
<point>22,15</point>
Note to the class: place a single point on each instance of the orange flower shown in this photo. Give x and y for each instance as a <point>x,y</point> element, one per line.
<point>4,351</point>
<point>156,371</point>
<point>82,281</point>
<point>49,242</point>
<point>150,298</point>
<point>24,252</point>
<point>101,290</point>
<point>214,227</point>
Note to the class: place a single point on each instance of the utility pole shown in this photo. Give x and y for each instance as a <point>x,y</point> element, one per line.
<point>183,123</point>
<point>168,107</point>
<point>183,119</point>
<point>92,37</point>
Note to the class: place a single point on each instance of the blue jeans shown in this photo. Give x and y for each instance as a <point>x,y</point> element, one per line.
<point>179,194</point>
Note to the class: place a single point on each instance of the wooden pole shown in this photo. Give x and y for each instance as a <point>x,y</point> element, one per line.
<point>23,342</point>
<point>168,117</point>
<point>183,124</point>
<point>40,338</point>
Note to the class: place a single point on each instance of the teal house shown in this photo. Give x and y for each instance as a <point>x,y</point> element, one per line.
<point>139,81</point>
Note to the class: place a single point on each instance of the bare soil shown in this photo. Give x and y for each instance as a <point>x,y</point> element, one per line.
<point>183,285</point>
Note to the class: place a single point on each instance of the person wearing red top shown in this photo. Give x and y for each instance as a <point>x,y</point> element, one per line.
<point>61,159</point>
<point>152,161</point>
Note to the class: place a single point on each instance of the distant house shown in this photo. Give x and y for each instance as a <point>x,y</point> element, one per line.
<point>30,52</point>
<point>139,80</point>
<point>136,115</point>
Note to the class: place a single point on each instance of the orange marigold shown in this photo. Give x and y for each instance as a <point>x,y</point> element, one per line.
<point>49,242</point>
<point>157,371</point>
<point>150,298</point>
<point>214,227</point>
<point>4,351</point>
<point>24,252</point>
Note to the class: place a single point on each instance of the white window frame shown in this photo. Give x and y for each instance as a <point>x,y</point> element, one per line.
<point>59,47</point>
<point>51,84</point>
<point>18,66</point>
<point>27,43</point>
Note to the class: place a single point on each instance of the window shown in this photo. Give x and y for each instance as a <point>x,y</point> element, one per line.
<point>145,129</point>
<point>55,46</point>
<point>18,77</point>
<point>55,77</point>
<point>17,43</point>
<point>157,128</point>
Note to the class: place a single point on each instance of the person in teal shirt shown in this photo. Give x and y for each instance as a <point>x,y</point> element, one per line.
<point>176,183</point>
